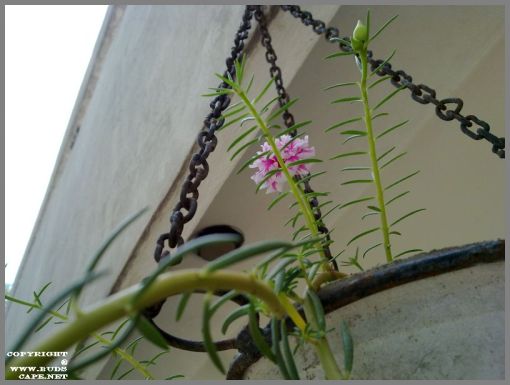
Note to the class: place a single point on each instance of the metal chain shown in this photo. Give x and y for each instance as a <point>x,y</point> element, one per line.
<point>419,92</point>
<point>288,119</point>
<point>185,209</point>
<point>198,170</point>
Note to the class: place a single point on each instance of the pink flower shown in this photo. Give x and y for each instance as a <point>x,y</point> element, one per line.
<point>298,149</point>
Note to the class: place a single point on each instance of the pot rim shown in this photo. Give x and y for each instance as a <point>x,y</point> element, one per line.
<point>360,285</point>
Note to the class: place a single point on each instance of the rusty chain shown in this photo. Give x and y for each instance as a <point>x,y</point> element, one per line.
<point>198,170</point>
<point>288,119</point>
<point>186,207</point>
<point>198,167</point>
<point>419,92</point>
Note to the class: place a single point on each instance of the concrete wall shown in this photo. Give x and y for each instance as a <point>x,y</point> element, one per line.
<point>141,109</point>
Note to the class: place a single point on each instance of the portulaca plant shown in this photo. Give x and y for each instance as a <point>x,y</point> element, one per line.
<point>281,166</point>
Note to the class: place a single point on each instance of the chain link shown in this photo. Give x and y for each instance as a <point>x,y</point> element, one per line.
<point>187,206</point>
<point>446,109</point>
<point>185,209</point>
<point>288,120</point>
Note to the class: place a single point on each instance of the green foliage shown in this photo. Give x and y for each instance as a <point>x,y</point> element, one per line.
<point>348,348</point>
<point>206,334</point>
<point>284,263</point>
<point>378,162</point>
<point>108,346</point>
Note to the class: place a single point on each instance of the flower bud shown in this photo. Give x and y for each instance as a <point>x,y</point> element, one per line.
<point>356,45</point>
<point>360,32</point>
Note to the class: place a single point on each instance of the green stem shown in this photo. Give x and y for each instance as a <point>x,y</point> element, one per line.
<point>373,156</point>
<point>121,352</point>
<point>121,305</point>
<point>322,347</point>
<point>294,188</point>
<point>126,357</point>
<point>326,357</point>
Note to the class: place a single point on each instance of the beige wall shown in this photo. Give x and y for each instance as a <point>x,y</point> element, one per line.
<point>139,120</point>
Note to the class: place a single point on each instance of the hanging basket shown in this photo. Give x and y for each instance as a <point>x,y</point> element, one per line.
<point>438,315</point>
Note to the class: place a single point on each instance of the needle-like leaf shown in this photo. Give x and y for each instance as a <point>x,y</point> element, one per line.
<point>352,137</point>
<point>279,267</point>
<point>241,137</point>
<point>378,115</point>
<point>295,127</point>
<point>391,129</point>
<point>369,214</point>
<point>278,198</point>
<point>228,81</point>
<point>338,54</point>
<point>149,331</point>
<point>243,147</point>
<point>287,353</point>
<point>383,63</point>
<point>43,324</point>
<point>268,176</point>
<point>125,374</point>
<point>275,348</point>
<point>370,248</point>
<point>346,154</point>
<point>355,168</point>
<point>348,347</point>
<point>364,199</point>
<point>348,99</point>
<point>218,92</point>
<point>283,108</point>
<point>367,22</point>
<point>247,91</point>
<point>246,252</point>
<point>386,153</point>
<point>234,121</point>
<point>393,159</point>
<point>252,159</point>
<point>304,161</point>
<point>382,28</point>
<point>378,81</point>
<point>116,368</point>
<point>392,94</point>
<point>354,132</point>
<point>402,180</point>
<point>358,236</point>
<point>343,123</point>
<point>38,295</point>
<point>357,181</point>
<point>210,347</point>
<point>235,314</point>
<point>397,197</point>
<point>222,300</point>
<point>182,305</point>
<point>345,40</point>
<point>406,216</point>
<point>264,109</point>
<point>407,252</point>
<point>326,214</point>
<point>257,336</point>
<point>233,112</point>
<point>264,90</point>
<point>318,310</point>
<point>131,347</point>
<point>310,177</point>
<point>340,85</point>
